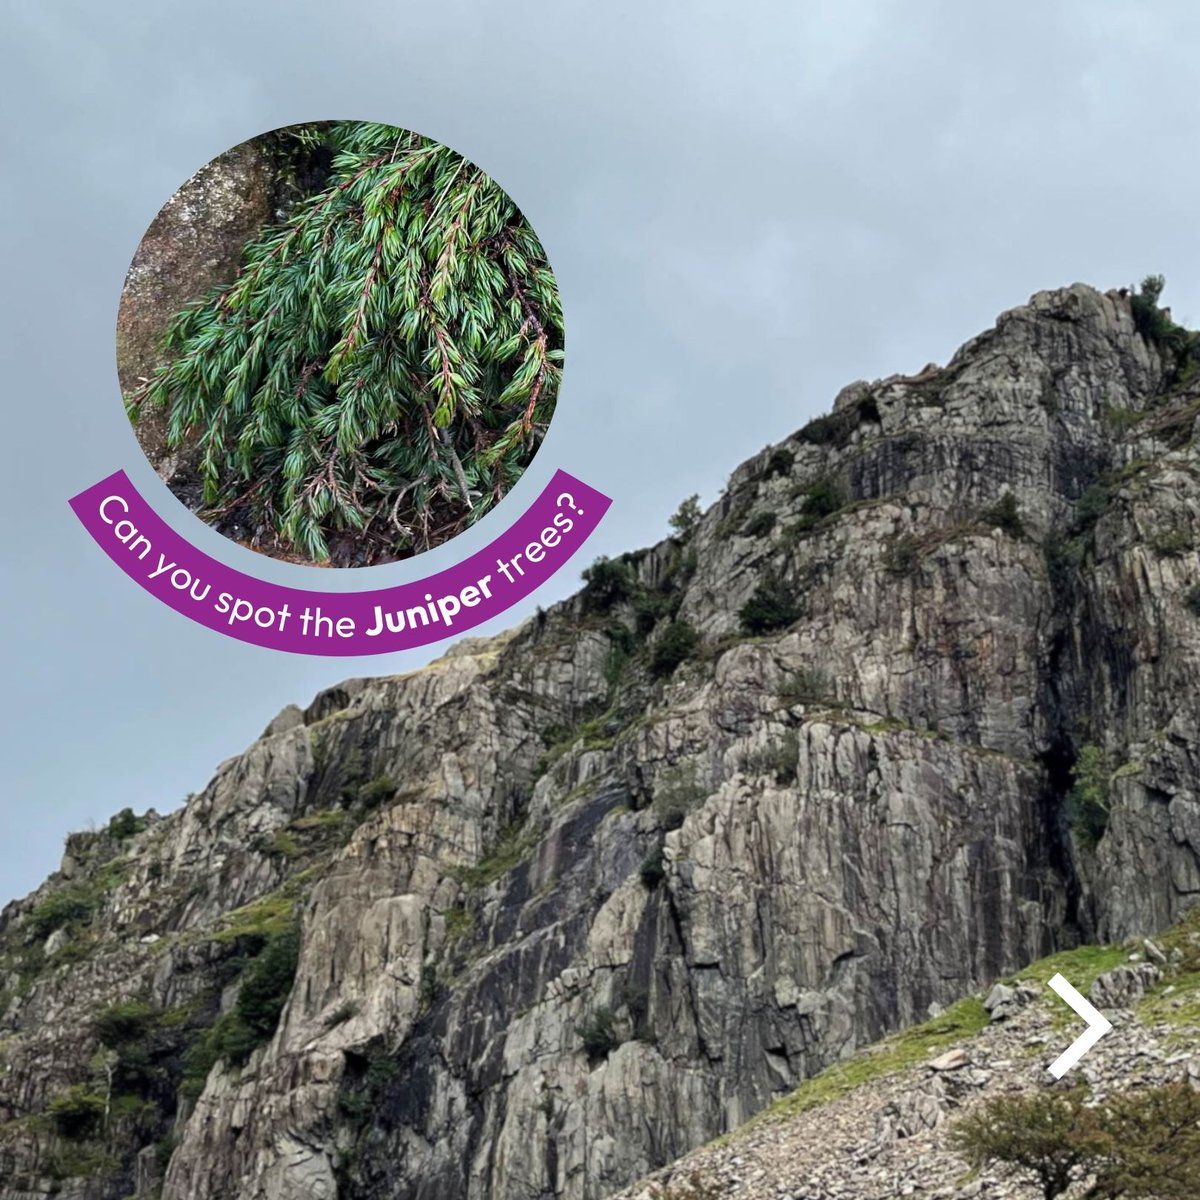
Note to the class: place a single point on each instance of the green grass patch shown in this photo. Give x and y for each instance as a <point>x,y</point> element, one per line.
<point>968,1017</point>
<point>269,915</point>
<point>312,833</point>
<point>1179,1007</point>
<point>285,842</point>
<point>459,923</point>
<point>1182,1005</point>
<point>578,792</point>
<point>327,818</point>
<point>1179,936</point>
<point>880,726</point>
<point>905,1049</point>
<point>560,740</point>
<point>1119,420</point>
<point>887,725</point>
<point>1081,966</point>
<point>513,845</point>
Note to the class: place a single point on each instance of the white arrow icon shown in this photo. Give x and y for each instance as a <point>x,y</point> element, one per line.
<point>1098,1026</point>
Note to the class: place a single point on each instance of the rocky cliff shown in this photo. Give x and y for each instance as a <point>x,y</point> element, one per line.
<point>882,1124</point>
<point>911,706</point>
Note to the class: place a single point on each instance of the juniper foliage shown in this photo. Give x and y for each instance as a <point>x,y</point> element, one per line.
<point>386,359</point>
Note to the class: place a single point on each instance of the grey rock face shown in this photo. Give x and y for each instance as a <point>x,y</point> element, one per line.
<point>194,242</point>
<point>1123,986</point>
<point>893,1134</point>
<point>1154,951</point>
<point>1004,1001</point>
<point>952,1060</point>
<point>567,909</point>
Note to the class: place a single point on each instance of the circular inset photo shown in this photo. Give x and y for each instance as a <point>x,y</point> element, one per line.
<point>340,343</point>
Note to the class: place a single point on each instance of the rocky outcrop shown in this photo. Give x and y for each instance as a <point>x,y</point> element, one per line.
<point>882,1125</point>
<point>1123,986</point>
<point>912,705</point>
<point>192,245</point>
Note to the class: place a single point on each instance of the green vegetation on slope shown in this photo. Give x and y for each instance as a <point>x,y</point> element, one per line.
<point>904,1049</point>
<point>1145,1142</point>
<point>1176,1000</point>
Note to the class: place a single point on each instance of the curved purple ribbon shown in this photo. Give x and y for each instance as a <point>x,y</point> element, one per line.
<point>381,621</point>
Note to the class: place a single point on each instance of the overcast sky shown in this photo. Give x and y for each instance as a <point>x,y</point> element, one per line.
<point>747,206</point>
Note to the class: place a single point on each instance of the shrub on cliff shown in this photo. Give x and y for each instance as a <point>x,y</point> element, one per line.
<point>771,606</point>
<point>653,870</point>
<point>1088,799</point>
<point>675,643</point>
<point>73,905</point>
<point>759,525</point>
<point>903,556</point>
<point>1005,515</point>
<point>125,825</point>
<point>126,1021</point>
<point>266,984</point>
<point>686,517</point>
<point>142,1045</point>
<point>1144,1143</point>
<point>1091,506</point>
<point>822,500</point>
<point>598,1034</point>
<point>780,462</point>
<point>377,791</point>
<point>607,581</point>
<point>77,1113</point>
<point>389,355</point>
<point>1156,325</point>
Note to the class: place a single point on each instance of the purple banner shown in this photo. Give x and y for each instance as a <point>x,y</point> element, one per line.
<point>299,621</point>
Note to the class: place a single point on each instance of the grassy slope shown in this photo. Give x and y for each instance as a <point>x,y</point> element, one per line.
<point>1175,1000</point>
